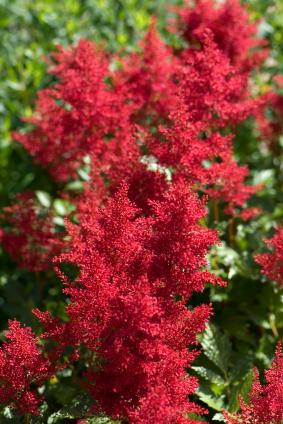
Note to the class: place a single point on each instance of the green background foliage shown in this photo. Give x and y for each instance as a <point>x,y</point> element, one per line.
<point>248,318</point>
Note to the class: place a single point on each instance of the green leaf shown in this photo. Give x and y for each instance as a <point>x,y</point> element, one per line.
<point>62,207</point>
<point>242,388</point>
<point>218,417</point>
<point>78,409</point>
<point>216,403</point>
<point>43,198</point>
<point>208,374</point>
<point>195,417</point>
<point>101,420</point>
<point>246,386</point>
<point>217,348</point>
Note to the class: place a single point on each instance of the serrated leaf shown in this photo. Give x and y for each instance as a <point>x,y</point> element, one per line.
<point>216,403</point>
<point>208,375</point>
<point>217,348</point>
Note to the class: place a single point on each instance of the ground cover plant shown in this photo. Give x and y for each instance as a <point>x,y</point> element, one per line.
<point>141,213</point>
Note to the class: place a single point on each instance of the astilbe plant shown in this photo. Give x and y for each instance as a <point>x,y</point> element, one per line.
<point>147,88</point>
<point>271,126</point>
<point>23,368</point>
<point>215,92</point>
<point>272,262</point>
<point>29,233</point>
<point>265,404</point>
<point>233,31</point>
<point>157,124</point>
<point>75,114</point>
<point>82,114</point>
<point>223,49</point>
<point>128,304</point>
<point>206,101</point>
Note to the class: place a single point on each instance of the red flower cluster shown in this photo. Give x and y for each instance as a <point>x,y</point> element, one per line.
<point>215,92</point>
<point>207,100</point>
<point>29,236</point>
<point>193,95</point>
<point>147,79</point>
<point>272,263</point>
<point>75,114</point>
<point>232,30</point>
<point>271,127</point>
<point>128,303</point>
<point>265,405</point>
<point>22,365</point>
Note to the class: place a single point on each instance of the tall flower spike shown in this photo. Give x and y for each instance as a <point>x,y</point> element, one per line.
<point>213,89</point>
<point>76,113</point>
<point>271,127</point>
<point>22,365</point>
<point>202,157</point>
<point>146,79</point>
<point>272,263</point>
<point>226,181</point>
<point>265,405</point>
<point>180,243</point>
<point>123,307</point>
<point>232,30</point>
